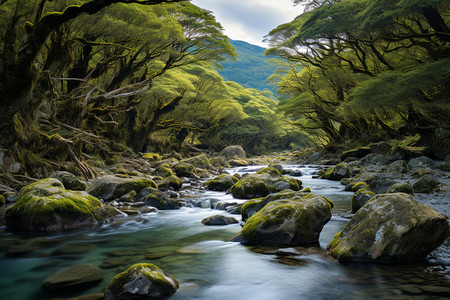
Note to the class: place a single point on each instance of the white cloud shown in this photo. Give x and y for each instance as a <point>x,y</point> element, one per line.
<point>250,20</point>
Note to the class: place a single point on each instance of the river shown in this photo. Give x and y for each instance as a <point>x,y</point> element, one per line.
<point>203,260</point>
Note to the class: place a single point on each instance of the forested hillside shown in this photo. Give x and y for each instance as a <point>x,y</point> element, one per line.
<point>365,71</point>
<point>251,68</point>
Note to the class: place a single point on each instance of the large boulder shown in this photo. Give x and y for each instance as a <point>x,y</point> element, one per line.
<point>45,206</point>
<point>390,228</point>
<point>110,187</point>
<point>253,206</point>
<point>70,181</point>
<point>235,151</point>
<point>221,183</point>
<point>142,281</point>
<point>260,185</point>
<point>76,277</point>
<point>420,162</point>
<point>288,222</point>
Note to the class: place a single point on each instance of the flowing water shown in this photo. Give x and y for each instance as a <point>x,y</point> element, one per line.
<point>203,260</point>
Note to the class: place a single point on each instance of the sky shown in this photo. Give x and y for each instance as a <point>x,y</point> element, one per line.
<point>250,20</point>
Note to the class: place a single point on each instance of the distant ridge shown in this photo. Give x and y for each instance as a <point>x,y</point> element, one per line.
<point>251,69</point>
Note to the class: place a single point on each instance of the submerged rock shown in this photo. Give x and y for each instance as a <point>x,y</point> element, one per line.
<point>76,277</point>
<point>287,222</point>
<point>46,206</point>
<point>219,220</point>
<point>221,183</point>
<point>390,228</point>
<point>142,281</point>
<point>111,187</point>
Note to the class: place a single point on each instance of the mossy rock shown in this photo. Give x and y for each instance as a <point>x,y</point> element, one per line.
<point>199,161</point>
<point>358,186</point>
<point>253,206</point>
<point>221,183</point>
<point>45,206</point>
<point>183,169</point>
<point>397,167</point>
<point>238,162</point>
<point>338,172</point>
<point>402,187</point>
<point>273,172</point>
<point>129,197</point>
<point>142,281</point>
<point>159,200</point>
<point>233,152</point>
<point>287,222</point>
<point>360,198</point>
<point>260,185</point>
<point>218,162</point>
<point>426,184</point>
<point>70,181</point>
<point>420,172</point>
<point>2,200</point>
<point>163,171</point>
<point>110,187</point>
<point>421,162</point>
<point>390,228</point>
<point>170,182</point>
<point>151,157</point>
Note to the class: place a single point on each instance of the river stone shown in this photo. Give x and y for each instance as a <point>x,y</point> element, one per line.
<point>235,151</point>
<point>288,222</point>
<point>70,181</point>
<point>76,277</point>
<point>219,220</point>
<point>110,187</point>
<point>390,228</point>
<point>141,281</point>
<point>397,167</point>
<point>221,183</point>
<point>163,171</point>
<point>381,186</point>
<point>46,206</point>
<point>338,172</point>
<point>426,184</point>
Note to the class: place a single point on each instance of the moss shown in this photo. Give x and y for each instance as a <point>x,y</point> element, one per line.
<point>199,161</point>
<point>152,157</point>
<point>170,182</point>
<point>221,183</point>
<point>162,284</point>
<point>270,171</point>
<point>183,169</point>
<point>306,190</point>
<point>111,187</point>
<point>46,206</point>
<point>359,186</point>
<point>250,187</point>
<point>402,187</point>
<point>360,197</point>
<point>2,200</point>
<point>163,170</point>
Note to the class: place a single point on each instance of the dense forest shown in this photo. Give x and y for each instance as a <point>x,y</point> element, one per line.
<point>83,81</point>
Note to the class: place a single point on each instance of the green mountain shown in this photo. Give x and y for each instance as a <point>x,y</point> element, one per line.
<point>251,68</point>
